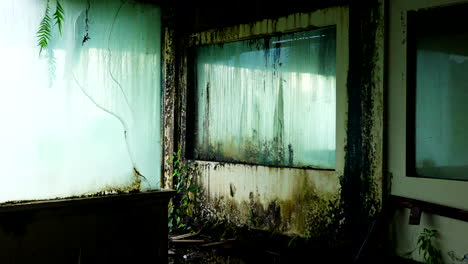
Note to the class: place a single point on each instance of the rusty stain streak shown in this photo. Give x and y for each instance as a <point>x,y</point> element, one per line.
<point>232,189</point>
<point>290,154</point>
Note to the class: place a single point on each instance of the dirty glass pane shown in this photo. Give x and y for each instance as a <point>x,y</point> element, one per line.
<point>268,101</point>
<point>80,117</point>
<point>442,102</point>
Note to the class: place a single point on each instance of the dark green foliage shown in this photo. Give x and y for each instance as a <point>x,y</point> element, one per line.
<point>181,206</point>
<point>429,251</point>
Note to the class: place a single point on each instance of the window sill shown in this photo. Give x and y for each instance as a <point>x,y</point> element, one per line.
<point>142,198</point>
<point>239,163</point>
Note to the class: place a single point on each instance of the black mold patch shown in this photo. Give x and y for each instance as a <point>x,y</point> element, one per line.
<point>359,196</point>
<point>232,189</point>
<point>273,219</point>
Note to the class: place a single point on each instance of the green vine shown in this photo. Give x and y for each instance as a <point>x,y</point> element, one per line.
<point>45,27</point>
<point>181,205</point>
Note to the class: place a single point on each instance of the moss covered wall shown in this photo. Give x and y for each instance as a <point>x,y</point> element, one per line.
<point>335,207</point>
<point>362,183</point>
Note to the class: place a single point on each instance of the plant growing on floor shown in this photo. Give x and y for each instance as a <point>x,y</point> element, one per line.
<point>426,240</point>
<point>181,205</point>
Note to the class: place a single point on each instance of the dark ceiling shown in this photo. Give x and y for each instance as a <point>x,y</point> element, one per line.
<point>199,16</point>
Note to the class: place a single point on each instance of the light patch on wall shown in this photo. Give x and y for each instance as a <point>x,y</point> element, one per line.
<point>65,113</point>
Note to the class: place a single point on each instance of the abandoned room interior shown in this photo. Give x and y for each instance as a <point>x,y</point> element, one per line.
<point>153,131</point>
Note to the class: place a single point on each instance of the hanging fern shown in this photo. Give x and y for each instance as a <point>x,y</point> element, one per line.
<point>59,16</point>
<point>44,33</point>
<point>45,27</point>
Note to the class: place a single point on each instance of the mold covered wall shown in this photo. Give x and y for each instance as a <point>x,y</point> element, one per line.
<point>169,84</point>
<point>286,200</point>
<point>453,233</point>
<point>322,205</point>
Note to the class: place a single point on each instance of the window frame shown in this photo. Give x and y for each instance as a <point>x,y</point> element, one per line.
<point>437,12</point>
<point>333,16</point>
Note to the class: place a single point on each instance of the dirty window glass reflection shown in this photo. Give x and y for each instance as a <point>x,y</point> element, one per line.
<point>441,98</point>
<point>268,101</point>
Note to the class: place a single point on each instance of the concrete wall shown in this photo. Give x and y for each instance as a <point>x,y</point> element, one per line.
<point>453,233</point>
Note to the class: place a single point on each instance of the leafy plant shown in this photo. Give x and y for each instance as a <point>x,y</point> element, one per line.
<point>181,205</point>
<point>426,240</point>
<point>45,27</point>
<point>59,16</point>
<point>44,33</point>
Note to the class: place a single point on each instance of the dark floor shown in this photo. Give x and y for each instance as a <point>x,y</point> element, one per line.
<point>205,256</point>
<point>202,248</point>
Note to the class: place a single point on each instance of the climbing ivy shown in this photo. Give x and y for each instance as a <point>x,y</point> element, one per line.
<point>181,206</point>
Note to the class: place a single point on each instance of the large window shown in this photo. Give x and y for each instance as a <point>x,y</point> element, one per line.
<point>438,93</point>
<point>82,116</point>
<point>269,100</point>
